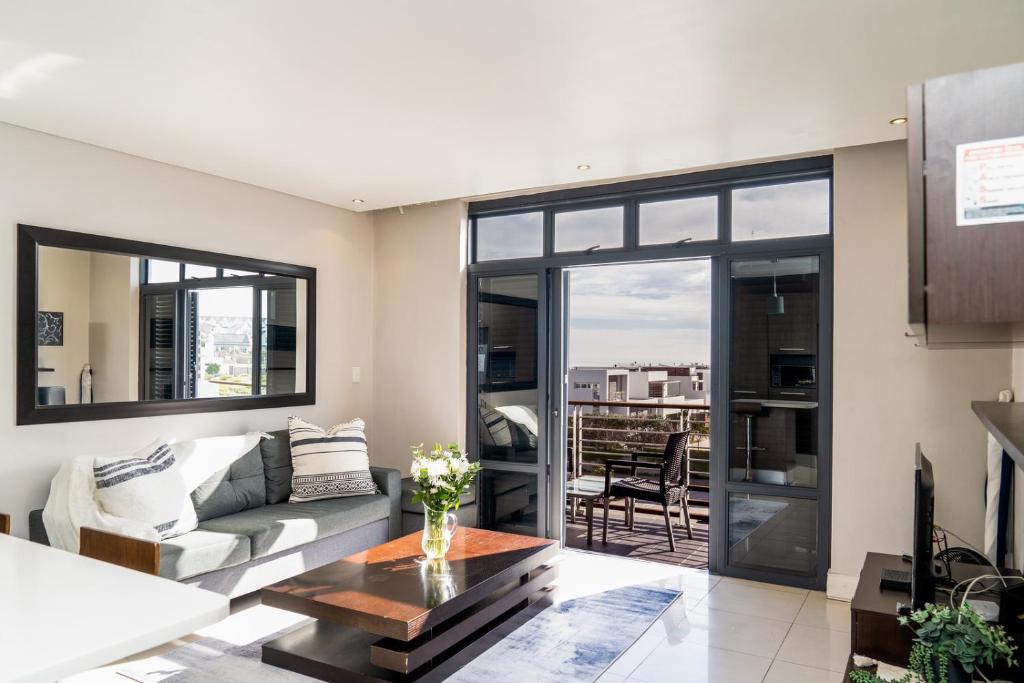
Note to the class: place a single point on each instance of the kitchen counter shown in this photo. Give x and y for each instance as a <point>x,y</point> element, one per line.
<point>1004,421</point>
<point>771,403</point>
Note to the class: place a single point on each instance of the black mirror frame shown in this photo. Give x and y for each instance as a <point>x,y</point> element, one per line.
<point>31,237</point>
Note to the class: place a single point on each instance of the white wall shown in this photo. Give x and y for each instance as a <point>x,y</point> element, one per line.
<point>64,288</point>
<point>419,291</point>
<point>53,182</point>
<point>890,394</point>
<point>114,326</point>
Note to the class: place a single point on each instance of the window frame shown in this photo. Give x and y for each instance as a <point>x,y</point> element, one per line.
<point>630,194</point>
<point>782,181</point>
<point>256,283</point>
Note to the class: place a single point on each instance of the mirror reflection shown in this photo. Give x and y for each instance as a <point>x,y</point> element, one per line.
<point>116,328</point>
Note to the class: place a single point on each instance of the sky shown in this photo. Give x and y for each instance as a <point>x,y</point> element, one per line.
<point>648,312</point>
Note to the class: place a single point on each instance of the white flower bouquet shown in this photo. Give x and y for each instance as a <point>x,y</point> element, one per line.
<point>441,476</point>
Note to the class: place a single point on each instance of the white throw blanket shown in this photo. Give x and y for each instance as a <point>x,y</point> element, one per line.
<point>72,502</point>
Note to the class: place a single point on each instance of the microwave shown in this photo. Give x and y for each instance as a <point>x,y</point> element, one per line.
<point>789,371</point>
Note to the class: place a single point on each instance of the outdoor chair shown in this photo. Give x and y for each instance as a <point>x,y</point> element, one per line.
<point>666,489</point>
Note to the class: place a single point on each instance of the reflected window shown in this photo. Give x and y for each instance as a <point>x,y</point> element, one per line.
<point>519,235</point>
<point>219,343</point>
<point>507,368</point>
<point>667,222</point>
<point>194,272</point>
<point>794,209</point>
<point>589,229</point>
<point>158,271</point>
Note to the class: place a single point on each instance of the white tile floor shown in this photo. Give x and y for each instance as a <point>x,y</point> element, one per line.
<point>730,631</point>
<point>719,630</point>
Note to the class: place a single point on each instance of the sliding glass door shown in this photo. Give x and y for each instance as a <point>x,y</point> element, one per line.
<point>508,400</point>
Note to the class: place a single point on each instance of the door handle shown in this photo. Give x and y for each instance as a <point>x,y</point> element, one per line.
<point>792,393</point>
<point>790,348</point>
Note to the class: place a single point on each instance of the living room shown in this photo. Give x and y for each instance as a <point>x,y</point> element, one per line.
<point>333,167</point>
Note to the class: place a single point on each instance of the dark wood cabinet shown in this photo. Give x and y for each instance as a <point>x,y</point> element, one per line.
<point>963,273</point>
<point>748,358</point>
<point>795,330</point>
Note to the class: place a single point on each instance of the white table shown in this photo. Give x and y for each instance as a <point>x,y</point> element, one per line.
<point>61,613</point>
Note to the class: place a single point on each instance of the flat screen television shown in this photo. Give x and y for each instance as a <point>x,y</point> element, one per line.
<point>922,578</point>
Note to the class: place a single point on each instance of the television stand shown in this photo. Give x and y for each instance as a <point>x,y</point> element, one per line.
<point>875,628</point>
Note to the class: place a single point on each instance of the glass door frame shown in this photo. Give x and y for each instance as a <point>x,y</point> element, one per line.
<point>550,267</point>
<point>721,486</point>
<point>542,467</point>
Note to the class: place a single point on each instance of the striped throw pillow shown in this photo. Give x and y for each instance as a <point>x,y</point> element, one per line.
<point>329,463</point>
<point>146,486</point>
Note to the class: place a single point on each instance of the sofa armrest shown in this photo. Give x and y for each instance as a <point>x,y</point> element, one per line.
<point>36,528</point>
<point>389,481</point>
<point>133,553</point>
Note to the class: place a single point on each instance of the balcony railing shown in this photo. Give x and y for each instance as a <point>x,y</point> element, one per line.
<point>603,430</point>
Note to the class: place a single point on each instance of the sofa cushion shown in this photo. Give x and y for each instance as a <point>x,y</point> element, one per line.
<point>274,528</point>
<point>237,487</point>
<point>409,487</point>
<point>201,551</point>
<point>329,463</point>
<point>277,466</point>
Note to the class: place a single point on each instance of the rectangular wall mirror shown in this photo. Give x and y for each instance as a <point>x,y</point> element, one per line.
<point>111,328</point>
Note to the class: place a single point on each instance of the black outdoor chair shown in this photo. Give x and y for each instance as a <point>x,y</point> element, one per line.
<point>667,489</point>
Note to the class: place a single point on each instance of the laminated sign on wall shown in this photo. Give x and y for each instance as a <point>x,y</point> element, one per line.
<point>990,182</point>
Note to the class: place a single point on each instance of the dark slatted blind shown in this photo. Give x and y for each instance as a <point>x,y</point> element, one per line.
<point>281,316</point>
<point>158,352</point>
<point>192,346</point>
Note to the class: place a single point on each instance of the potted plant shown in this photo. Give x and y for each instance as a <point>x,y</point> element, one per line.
<point>950,644</point>
<point>961,637</point>
<point>441,476</point>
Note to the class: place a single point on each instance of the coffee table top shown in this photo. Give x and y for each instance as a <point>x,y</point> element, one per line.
<point>389,589</point>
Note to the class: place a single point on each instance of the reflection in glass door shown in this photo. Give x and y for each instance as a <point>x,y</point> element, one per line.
<point>776,401</point>
<point>508,436</point>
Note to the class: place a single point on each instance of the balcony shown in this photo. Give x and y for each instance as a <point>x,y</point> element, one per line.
<point>602,430</point>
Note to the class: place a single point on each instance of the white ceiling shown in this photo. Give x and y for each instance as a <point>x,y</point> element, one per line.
<point>405,102</point>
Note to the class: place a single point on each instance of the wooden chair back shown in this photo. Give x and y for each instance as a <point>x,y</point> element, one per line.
<point>132,553</point>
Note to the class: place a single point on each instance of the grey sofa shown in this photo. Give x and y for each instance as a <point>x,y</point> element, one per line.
<point>250,536</point>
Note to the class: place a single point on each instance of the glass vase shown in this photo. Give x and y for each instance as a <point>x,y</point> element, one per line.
<point>438,529</point>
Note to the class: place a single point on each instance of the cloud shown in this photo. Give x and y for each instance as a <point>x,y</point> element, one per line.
<point>657,312</point>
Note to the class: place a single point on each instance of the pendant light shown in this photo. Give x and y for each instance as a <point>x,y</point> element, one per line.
<point>776,303</point>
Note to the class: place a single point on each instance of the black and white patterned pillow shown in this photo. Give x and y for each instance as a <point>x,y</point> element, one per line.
<point>146,486</point>
<point>329,463</point>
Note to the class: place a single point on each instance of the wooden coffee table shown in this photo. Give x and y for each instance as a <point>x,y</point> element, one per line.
<point>386,615</point>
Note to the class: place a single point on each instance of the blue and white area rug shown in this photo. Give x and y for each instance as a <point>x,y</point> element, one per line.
<point>573,640</point>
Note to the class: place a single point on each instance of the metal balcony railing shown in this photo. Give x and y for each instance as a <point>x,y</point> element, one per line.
<point>602,430</point>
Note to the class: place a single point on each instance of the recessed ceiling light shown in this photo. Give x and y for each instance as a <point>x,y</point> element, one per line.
<point>898,121</point>
<point>583,167</point>
<point>357,201</point>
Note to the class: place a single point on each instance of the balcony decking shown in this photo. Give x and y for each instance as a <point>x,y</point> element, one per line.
<point>596,435</point>
<point>647,541</point>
